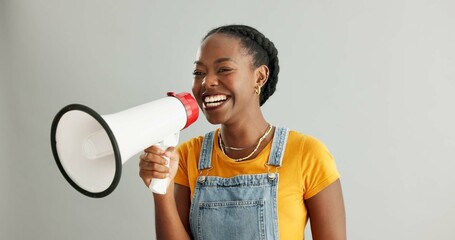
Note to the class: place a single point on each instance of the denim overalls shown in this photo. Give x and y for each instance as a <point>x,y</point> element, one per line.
<point>240,207</point>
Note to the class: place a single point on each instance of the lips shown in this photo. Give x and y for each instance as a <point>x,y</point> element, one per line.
<point>214,100</point>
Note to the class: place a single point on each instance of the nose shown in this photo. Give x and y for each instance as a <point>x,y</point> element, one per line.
<point>210,80</point>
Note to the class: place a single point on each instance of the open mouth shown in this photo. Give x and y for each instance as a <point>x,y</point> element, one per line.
<point>214,100</point>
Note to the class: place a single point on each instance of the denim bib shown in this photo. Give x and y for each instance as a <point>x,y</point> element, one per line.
<point>240,207</point>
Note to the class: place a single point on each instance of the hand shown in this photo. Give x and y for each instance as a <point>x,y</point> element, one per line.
<point>153,161</point>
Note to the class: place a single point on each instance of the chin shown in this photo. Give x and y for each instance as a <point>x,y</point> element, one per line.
<point>214,120</point>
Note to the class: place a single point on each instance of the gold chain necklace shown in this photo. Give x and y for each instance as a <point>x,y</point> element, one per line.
<point>232,148</point>
<point>220,141</point>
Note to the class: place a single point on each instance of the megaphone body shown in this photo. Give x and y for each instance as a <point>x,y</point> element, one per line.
<point>90,149</point>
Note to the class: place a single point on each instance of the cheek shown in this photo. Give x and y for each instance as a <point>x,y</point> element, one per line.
<point>196,88</point>
<point>196,91</point>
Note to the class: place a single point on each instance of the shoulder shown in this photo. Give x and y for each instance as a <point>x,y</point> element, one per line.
<point>307,148</point>
<point>190,144</point>
<point>305,142</point>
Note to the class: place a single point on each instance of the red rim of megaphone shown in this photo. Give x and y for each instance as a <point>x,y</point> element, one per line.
<point>190,104</point>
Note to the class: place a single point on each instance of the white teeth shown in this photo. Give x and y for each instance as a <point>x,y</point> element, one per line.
<point>213,104</point>
<point>215,99</point>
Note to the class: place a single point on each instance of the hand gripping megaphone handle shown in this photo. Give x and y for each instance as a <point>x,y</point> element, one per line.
<point>160,185</point>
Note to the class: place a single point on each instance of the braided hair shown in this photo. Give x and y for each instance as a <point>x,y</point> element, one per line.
<point>260,48</point>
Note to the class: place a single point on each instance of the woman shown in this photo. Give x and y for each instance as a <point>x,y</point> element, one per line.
<point>248,179</point>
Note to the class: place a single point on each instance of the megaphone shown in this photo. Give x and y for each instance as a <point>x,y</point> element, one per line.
<point>90,148</point>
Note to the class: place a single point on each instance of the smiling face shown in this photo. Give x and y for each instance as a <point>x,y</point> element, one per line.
<point>225,80</point>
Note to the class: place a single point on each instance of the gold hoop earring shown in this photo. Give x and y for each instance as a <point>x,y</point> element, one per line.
<point>258,89</point>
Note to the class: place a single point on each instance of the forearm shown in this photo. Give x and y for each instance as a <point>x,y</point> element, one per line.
<point>167,221</point>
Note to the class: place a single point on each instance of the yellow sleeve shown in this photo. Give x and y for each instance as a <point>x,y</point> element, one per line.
<point>182,173</point>
<point>319,167</point>
<point>188,159</point>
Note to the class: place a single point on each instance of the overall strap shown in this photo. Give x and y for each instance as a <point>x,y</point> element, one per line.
<point>205,158</point>
<point>278,146</point>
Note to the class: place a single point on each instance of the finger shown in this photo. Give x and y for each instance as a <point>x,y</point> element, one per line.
<point>171,154</point>
<point>148,182</point>
<point>150,166</point>
<point>148,157</point>
<point>154,149</point>
<point>143,155</point>
<point>169,151</point>
<point>148,175</point>
<point>145,176</point>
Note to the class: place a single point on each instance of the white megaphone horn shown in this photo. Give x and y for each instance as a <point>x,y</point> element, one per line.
<point>90,149</point>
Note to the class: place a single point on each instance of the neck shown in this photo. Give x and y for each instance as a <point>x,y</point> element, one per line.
<point>241,152</point>
<point>243,134</point>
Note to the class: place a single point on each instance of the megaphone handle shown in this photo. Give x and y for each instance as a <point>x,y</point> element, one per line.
<point>160,185</point>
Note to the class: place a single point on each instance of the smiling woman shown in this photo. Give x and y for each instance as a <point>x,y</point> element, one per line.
<point>249,179</point>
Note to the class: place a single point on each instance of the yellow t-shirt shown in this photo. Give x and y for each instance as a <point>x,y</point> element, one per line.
<point>307,168</point>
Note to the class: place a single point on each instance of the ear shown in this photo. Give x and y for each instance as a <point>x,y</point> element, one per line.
<point>262,75</point>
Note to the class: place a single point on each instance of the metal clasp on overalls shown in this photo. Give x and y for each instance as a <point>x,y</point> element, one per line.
<point>271,175</point>
<point>201,179</point>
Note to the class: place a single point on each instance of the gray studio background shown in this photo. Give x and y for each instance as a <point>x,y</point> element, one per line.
<point>374,80</point>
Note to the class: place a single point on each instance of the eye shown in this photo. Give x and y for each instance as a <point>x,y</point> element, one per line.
<point>197,73</point>
<point>224,70</point>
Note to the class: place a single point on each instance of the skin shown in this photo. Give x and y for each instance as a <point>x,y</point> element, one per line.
<point>223,67</point>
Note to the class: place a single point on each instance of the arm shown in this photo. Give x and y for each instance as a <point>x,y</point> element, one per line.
<point>327,213</point>
<point>183,202</point>
<point>171,213</point>
<point>170,208</point>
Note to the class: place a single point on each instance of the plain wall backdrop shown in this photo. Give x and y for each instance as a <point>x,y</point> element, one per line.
<point>373,80</point>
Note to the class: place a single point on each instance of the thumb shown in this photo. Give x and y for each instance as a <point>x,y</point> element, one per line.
<point>173,160</point>
<point>147,181</point>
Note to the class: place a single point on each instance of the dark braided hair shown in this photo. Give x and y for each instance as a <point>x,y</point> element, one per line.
<point>261,48</point>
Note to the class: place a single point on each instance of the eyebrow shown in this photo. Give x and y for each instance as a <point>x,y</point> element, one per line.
<point>219,60</point>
